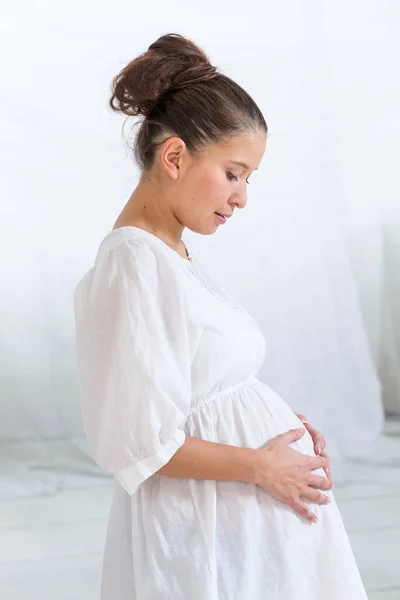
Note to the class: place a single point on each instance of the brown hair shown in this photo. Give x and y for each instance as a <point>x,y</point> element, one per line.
<point>180,93</point>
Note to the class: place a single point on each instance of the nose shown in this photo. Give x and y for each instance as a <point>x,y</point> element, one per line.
<point>240,199</point>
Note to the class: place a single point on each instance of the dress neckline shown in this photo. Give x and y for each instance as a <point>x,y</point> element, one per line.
<point>140,230</point>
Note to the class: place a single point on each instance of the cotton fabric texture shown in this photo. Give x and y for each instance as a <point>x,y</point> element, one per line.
<point>164,352</point>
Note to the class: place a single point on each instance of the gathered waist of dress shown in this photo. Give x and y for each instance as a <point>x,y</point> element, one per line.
<point>251,379</point>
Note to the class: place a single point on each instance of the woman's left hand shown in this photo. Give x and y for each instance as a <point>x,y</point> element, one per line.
<point>319,443</point>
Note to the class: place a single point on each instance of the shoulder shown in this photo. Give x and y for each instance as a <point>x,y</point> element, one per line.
<point>131,256</point>
<point>138,244</point>
<point>126,255</point>
<point>123,242</point>
<point>140,257</point>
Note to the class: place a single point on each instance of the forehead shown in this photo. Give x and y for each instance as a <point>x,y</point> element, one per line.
<point>245,150</point>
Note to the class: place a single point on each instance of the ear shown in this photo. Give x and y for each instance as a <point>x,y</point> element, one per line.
<point>171,156</point>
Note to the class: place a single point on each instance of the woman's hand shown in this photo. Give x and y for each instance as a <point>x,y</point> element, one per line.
<point>319,443</point>
<point>287,474</point>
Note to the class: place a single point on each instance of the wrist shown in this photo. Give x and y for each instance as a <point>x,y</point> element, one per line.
<point>250,465</point>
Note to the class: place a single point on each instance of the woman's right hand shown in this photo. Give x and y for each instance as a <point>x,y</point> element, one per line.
<point>287,474</point>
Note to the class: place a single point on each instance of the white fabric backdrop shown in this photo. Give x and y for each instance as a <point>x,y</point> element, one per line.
<point>314,256</point>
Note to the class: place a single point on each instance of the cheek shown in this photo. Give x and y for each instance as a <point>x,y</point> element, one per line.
<point>214,186</point>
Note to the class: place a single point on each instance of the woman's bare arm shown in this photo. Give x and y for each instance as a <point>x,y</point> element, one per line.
<point>280,470</point>
<point>200,459</point>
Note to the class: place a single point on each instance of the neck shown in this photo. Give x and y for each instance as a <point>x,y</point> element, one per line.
<point>147,207</point>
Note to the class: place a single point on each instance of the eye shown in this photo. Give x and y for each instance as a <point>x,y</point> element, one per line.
<point>231,176</point>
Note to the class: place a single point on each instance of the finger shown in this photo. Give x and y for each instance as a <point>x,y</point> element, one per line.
<point>319,446</point>
<point>319,442</point>
<point>319,482</point>
<point>302,418</point>
<point>303,510</point>
<point>328,473</point>
<point>291,436</point>
<point>315,496</point>
<point>317,437</point>
<point>317,462</point>
<point>327,468</point>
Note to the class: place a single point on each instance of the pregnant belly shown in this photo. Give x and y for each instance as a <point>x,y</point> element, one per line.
<point>249,417</point>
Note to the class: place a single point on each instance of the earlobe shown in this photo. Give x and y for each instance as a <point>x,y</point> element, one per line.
<point>171,168</point>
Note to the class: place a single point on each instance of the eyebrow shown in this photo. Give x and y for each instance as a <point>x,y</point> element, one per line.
<point>242,164</point>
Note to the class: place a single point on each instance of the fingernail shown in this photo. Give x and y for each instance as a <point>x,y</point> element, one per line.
<point>317,451</point>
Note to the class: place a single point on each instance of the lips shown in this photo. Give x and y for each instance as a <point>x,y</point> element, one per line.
<point>221,218</point>
<point>222,215</point>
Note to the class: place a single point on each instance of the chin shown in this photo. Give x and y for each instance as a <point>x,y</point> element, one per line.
<point>203,229</point>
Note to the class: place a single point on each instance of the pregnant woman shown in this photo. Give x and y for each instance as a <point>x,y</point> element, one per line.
<point>221,492</point>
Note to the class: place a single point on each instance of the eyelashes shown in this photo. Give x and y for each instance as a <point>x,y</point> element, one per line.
<point>231,176</point>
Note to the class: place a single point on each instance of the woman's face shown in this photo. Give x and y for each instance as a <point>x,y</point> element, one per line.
<point>215,182</point>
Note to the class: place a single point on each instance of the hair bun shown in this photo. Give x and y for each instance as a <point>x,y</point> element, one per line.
<point>171,63</point>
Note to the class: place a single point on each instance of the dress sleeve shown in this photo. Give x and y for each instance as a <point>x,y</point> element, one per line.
<point>133,351</point>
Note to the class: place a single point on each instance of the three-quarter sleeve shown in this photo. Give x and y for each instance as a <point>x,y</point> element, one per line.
<point>133,353</point>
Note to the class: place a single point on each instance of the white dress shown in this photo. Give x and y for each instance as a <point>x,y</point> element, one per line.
<point>164,352</point>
